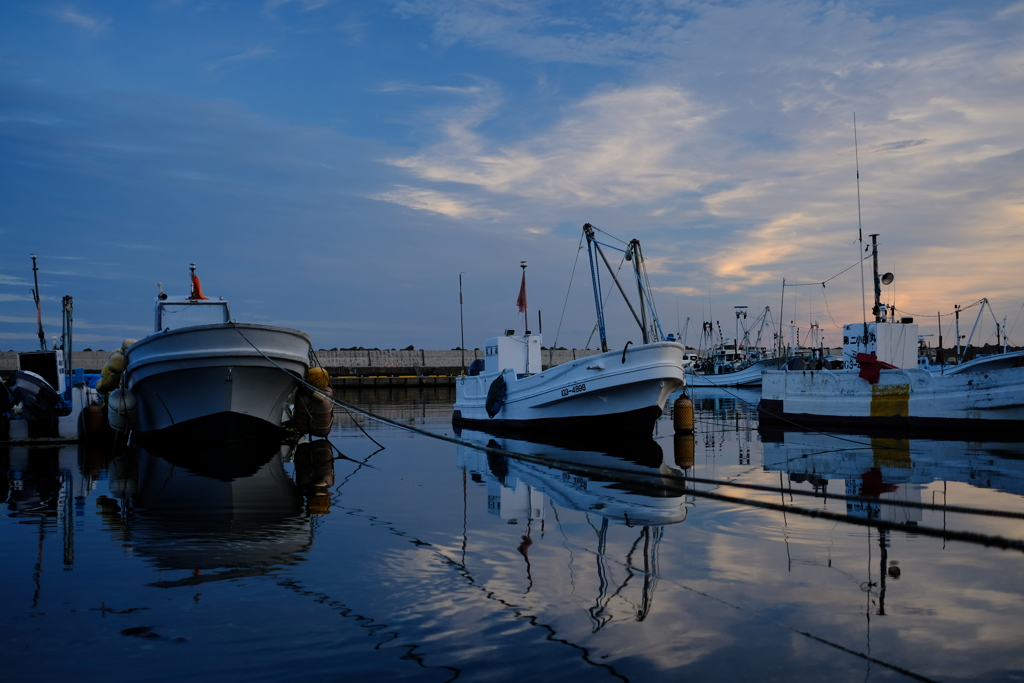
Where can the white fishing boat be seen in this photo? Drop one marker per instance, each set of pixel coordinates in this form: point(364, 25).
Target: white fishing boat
point(621, 390)
point(881, 387)
point(749, 376)
point(40, 402)
point(201, 374)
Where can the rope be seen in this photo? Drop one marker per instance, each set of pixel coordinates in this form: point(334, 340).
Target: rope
point(682, 480)
point(822, 283)
point(572, 275)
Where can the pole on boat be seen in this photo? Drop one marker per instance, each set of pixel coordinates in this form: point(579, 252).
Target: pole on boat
point(940, 354)
point(39, 310)
point(523, 307)
point(860, 234)
point(634, 249)
point(67, 308)
point(956, 309)
point(462, 326)
point(876, 310)
point(595, 278)
point(629, 304)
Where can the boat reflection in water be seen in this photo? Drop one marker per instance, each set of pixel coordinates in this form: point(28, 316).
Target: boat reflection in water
point(629, 483)
point(236, 510)
point(617, 480)
point(892, 470)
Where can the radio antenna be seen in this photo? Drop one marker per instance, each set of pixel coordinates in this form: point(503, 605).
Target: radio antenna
point(860, 235)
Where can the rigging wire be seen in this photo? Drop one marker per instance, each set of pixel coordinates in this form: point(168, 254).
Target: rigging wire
point(567, 291)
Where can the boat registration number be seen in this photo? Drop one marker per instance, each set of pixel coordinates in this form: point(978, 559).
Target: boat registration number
point(576, 388)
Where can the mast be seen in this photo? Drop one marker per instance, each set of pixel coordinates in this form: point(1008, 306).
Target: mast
point(877, 309)
point(860, 234)
point(634, 249)
point(595, 278)
point(956, 309)
point(462, 327)
point(39, 310)
point(67, 308)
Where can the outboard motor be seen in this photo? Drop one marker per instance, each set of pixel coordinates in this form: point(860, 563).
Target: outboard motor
point(41, 405)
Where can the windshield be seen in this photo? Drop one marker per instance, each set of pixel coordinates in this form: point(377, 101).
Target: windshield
point(175, 315)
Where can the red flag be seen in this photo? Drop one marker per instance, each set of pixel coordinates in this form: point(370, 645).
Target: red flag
point(197, 290)
point(521, 301)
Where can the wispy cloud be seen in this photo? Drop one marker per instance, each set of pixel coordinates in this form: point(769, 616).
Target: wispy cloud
point(247, 56)
point(69, 15)
point(621, 146)
point(307, 5)
point(432, 200)
point(901, 144)
point(1016, 8)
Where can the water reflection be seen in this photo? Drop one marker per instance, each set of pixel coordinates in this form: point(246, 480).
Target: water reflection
point(887, 470)
point(190, 508)
point(616, 480)
point(592, 558)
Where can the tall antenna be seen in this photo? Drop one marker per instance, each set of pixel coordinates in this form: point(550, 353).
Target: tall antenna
point(860, 235)
point(462, 326)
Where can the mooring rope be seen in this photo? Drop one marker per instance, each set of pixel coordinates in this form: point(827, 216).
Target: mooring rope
point(964, 536)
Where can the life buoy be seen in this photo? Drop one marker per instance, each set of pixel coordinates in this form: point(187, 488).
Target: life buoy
point(495, 396)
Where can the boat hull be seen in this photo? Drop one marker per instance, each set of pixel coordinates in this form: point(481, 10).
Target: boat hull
point(223, 382)
point(611, 392)
point(747, 377)
point(902, 400)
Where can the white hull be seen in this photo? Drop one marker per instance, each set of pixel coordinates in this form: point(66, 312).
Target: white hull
point(747, 377)
point(211, 376)
point(902, 398)
point(613, 390)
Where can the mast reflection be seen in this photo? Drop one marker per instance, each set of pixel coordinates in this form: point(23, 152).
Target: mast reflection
point(621, 483)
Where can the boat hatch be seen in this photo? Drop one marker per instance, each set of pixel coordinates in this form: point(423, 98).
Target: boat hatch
point(174, 314)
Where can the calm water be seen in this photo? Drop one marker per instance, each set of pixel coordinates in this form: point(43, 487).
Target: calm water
point(419, 559)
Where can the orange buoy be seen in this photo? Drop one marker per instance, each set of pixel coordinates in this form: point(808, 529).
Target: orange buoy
point(682, 415)
point(318, 377)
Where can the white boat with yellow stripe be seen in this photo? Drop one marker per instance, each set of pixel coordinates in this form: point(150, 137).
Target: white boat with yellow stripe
point(881, 388)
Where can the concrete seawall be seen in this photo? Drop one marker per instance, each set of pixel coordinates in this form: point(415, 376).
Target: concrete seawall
point(358, 367)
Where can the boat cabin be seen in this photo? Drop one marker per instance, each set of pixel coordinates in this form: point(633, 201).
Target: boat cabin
point(173, 313)
point(521, 353)
point(891, 342)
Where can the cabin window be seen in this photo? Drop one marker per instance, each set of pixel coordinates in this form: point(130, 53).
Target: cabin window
point(175, 316)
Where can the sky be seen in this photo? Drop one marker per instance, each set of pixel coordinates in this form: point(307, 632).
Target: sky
point(346, 167)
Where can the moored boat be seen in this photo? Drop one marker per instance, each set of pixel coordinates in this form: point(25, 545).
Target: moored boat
point(201, 374)
point(880, 387)
point(613, 391)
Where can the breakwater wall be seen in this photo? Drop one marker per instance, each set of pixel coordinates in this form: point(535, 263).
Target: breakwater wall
point(359, 366)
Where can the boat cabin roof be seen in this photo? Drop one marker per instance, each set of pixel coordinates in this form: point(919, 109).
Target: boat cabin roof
point(174, 312)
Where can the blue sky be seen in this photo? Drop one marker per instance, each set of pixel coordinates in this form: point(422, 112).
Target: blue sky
point(334, 166)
